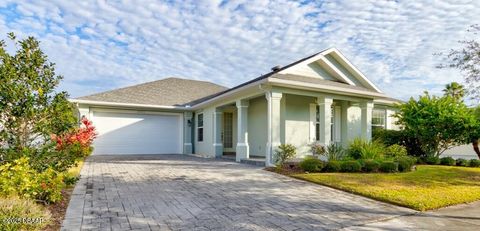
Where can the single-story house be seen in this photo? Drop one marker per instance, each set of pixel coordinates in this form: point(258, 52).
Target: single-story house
point(320, 98)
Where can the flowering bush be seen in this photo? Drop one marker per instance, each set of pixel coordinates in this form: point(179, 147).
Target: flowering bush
point(18, 178)
point(317, 148)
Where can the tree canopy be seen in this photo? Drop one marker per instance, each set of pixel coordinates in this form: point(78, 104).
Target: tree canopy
point(30, 107)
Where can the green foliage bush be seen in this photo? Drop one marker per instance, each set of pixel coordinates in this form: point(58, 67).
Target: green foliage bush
point(405, 163)
point(462, 162)
point(388, 166)
point(350, 166)
point(332, 166)
point(334, 152)
point(474, 163)
point(18, 178)
point(399, 137)
point(284, 152)
point(432, 160)
point(13, 207)
point(449, 161)
point(395, 150)
point(311, 165)
point(362, 149)
point(371, 166)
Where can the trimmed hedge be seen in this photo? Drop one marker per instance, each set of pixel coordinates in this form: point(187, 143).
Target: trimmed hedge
point(311, 165)
point(371, 166)
point(389, 166)
point(432, 160)
point(449, 161)
point(332, 166)
point(474, 163)
point(405, 163)
point(351, 166)
point(462, 162)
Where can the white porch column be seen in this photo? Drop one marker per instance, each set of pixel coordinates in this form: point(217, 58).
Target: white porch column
point(187, 132)
point(366, 119)
point(242, 130)
point(388, 119)
point(217, 133)
point(325, 106)
point(273, 126)
point(345, 123)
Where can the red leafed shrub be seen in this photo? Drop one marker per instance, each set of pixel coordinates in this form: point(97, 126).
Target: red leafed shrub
point(83, 136)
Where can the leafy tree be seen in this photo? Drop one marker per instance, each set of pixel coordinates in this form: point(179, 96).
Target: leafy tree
point(30, 107)
point(438, 123)
point(455, 90)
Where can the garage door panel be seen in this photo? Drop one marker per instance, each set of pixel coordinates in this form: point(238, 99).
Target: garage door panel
point(130, 133)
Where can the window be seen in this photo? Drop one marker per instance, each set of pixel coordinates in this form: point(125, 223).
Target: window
point(200, 127)
point(378, 119)
point(317, 123)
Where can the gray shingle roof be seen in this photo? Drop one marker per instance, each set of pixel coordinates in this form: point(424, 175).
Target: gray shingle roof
point(165, 92)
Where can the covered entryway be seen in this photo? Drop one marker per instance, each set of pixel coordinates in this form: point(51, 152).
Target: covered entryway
point(123, 132)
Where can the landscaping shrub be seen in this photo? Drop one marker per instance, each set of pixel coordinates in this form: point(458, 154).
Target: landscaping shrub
point(371, 166)
point(361, 149)
point(462, 162)
point(284, 153)
point(332, 166)
point(474, 163)
point(335, 152)
point(317, 148)
point(350, 166)
point(388, 166)
point(400, 137)
point(35, 216)
point(372, 150)
point(449, 161)
point(311, 165)
point(395, 150)
point(18, 178)
point(405, 163)
point(432, 160)
point(355, 148)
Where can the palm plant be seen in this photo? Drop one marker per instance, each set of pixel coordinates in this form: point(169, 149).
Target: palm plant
point(455, 90)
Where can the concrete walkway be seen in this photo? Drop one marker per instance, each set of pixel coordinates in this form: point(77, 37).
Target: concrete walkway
point(180, 192)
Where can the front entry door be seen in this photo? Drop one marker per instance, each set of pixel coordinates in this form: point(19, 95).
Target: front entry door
point(228, 132)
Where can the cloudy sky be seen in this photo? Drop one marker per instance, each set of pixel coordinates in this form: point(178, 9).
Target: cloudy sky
point(101, 45)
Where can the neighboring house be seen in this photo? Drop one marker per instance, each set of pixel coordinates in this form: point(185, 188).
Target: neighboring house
point(321, 98)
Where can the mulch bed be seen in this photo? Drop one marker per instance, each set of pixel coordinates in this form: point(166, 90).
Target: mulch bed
point(289, 168)
point(58, 210)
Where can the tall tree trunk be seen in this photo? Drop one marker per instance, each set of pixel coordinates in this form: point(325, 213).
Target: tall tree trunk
point(475, 147)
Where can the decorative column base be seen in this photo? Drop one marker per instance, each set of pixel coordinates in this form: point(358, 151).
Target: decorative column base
point(187, 148)
point(242, 152)
point(218, 148)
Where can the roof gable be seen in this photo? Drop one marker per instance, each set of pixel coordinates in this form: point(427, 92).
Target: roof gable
point(330, 65)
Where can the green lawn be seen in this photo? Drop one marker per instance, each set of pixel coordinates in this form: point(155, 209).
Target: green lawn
point(427, 188)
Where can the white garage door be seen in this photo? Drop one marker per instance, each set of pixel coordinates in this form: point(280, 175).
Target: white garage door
point(137, 132)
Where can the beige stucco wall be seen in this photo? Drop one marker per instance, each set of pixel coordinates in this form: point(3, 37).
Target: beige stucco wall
point(257, 126)
point(297, 122)
point(353, 123)
point(205, 148)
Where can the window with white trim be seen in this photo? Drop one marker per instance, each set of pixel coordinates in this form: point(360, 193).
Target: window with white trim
point(200, 127)
point(317, 123)
point(378, 119)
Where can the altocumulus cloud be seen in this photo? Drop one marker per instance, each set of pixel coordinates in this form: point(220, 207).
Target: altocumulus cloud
point(100, 45)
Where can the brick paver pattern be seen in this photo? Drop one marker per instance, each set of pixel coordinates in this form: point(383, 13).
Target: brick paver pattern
point(182, 192)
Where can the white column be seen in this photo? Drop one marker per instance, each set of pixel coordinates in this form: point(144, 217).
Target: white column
point(345, 123)
point(242, 130)
point(273, 126)
point(217, 133)
point(366, 119)
point(388, 119)
point(325, 106)
point(187, 132)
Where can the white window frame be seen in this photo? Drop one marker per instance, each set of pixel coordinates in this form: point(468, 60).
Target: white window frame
point(200, 127)
point(384, 119)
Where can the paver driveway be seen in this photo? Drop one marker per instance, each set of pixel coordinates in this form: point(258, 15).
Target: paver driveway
point(181, 192)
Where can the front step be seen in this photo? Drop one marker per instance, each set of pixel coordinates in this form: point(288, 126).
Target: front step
point(256, 162)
